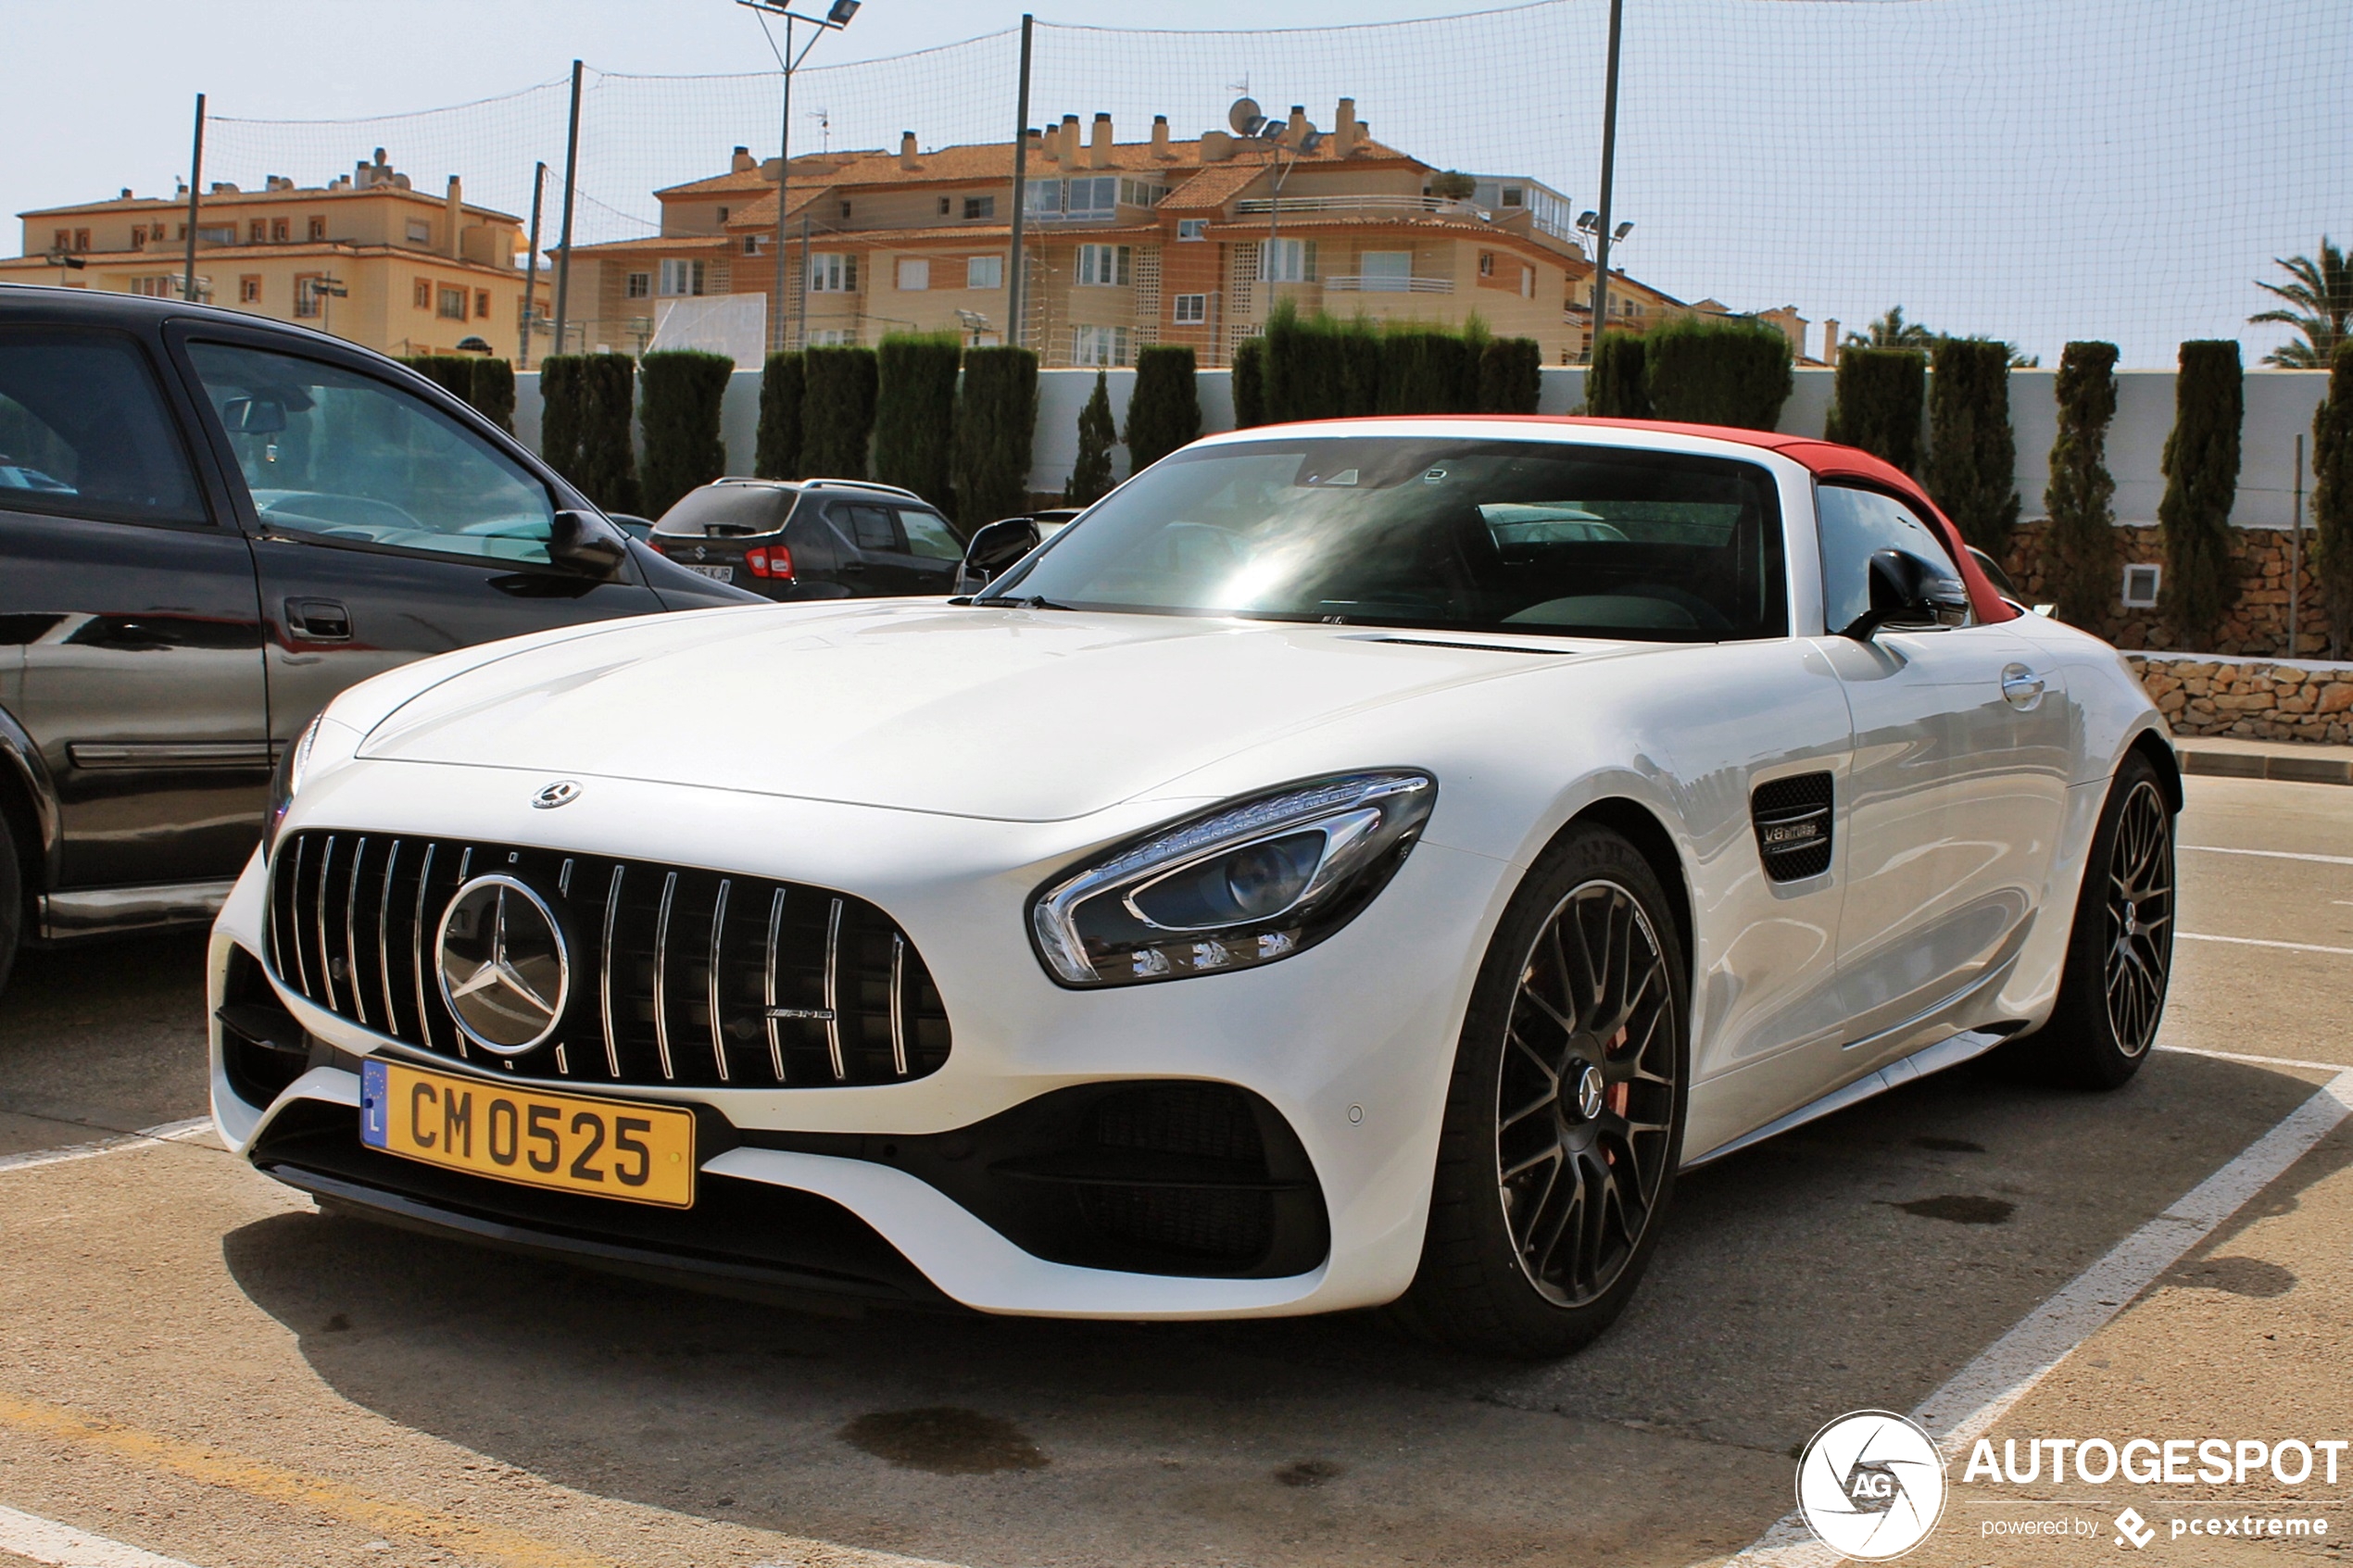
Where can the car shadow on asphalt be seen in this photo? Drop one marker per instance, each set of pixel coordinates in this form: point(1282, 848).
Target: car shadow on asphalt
point(1858, 1262)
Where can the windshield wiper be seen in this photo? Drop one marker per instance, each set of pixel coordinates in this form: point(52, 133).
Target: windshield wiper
point(1020, 601)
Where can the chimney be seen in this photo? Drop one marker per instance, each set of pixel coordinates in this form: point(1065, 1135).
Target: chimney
point(742, 162)
point(454, 217)
point(1830, 341)
point(1160, 137)
point(1040, 144)
point(907, 150)
point(126, 193)
point(1069, 129)
point(1215, 146)
point(1344, 128)
point(1098, 143)
point(1298, 126)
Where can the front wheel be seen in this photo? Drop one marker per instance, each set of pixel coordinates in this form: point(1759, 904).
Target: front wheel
point(2119, 954)
point(1565, 1115)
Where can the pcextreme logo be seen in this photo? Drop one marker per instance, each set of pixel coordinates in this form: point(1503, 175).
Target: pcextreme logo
point(1871, 1485)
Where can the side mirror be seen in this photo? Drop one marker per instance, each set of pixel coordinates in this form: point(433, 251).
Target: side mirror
point(254, 415)
point(587, 544)
point(1910, 593)
point(994, 549)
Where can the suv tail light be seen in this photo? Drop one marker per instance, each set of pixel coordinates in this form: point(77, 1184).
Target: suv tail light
point(769, 561)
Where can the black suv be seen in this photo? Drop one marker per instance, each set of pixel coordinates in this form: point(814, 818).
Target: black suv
point(812, 538)
point(211, 524)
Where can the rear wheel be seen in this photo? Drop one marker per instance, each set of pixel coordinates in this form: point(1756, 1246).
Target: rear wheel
point(1565, 1116)
point(2120, 954)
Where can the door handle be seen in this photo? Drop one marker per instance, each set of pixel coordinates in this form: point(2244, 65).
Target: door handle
point(319, 620)
point(2021, 688)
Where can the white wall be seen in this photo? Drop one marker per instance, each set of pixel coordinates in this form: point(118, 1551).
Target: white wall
point(2280, 404)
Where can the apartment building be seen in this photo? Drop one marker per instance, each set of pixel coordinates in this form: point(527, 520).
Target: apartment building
point(418, 273)
point(1125, 244)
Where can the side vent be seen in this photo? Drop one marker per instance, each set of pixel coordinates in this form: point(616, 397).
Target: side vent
point(1792, 820)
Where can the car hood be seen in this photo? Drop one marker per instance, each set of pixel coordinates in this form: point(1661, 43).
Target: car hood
point(1012, 714)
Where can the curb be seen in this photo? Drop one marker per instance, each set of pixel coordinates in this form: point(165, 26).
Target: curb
point(2259, 765)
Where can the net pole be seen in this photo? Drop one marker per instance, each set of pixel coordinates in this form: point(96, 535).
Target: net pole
point(530, 278)
point(1020, 190)
point(2295, 549)
point(784, 181)
point(571, 183)
point(1609, 168)
point(195, 183)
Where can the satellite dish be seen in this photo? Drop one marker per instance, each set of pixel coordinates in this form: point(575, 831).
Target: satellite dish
point(1245, 117)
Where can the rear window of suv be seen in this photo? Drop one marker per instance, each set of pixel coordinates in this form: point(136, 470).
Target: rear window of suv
point(728, 511)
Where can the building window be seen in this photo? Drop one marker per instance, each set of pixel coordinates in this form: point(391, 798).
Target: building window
point(834, 337)
point(1092, 199)
point(844, 212)
point(914, 272)
point(1192, 227)
point(682, 278)
point(249, 289)
point(482, 304)
point(307, 299)
point(157, 286)
point(1289, 261)
point(2141, 585)
point(1515, 196)
point(722, 215)
point(1192, 309)
point(282, 231)
point(1385, 272)
point(980, 206)
point(453, 305)
point(421, 294)
point(420, 232)
point(984, 271)
point(224, 234)
point(1527, 283)
point(639, 286)
point(755, 244)
point(833, 273)
point(257, 232)
point(943, 206)
point(81, 239)
point(317, 229)
point(1104, 264)
point(1486, 263)
point(1099, 346)
point(1141, 193)
point(64, 240)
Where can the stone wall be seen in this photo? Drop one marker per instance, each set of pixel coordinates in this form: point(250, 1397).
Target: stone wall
point(2259, 699)
point(2257, 624)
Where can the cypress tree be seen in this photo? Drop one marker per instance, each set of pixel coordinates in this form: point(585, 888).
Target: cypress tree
point(607, 464)
point(996, 421)
point(562, 413)
point(1359, 346)
point(1090, 478)
point(915, 413)
point(2333, 501)
point(1250, 382)
point(1718, 371)
point(1510, 376)
point(1614, 381)
point(2080, 557)
point(454, 373)
point(1164, 412)
point(1876, 401)
point(1973, 455)
point(2201, 484)
point(1428, 371)
point(776, 454)
point(679, 416)
point(494, 393)
point(837, 411)
point(1306, 375)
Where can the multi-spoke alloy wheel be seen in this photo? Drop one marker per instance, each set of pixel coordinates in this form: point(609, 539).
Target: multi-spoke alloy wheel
point(1585, 1097)
point(1564, 1112)
point(2140, 918)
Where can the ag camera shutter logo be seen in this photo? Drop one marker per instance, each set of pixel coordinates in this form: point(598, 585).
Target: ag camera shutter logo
point(1871, 1486)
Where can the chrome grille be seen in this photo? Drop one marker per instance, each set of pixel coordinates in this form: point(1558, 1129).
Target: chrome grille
point(679, 976)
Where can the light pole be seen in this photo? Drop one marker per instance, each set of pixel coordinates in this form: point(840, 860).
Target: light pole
point(1253, 126)
point(1609, 172)
point(837, 16)
point(1590, 224)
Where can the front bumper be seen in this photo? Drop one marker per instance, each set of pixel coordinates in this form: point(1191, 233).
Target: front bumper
point(1347, 1047)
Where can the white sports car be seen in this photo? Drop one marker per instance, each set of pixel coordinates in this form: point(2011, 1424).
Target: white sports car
point(1354, 863)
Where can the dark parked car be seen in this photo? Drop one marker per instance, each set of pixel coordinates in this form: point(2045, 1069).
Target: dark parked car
point(812, 538)
point(211, 524)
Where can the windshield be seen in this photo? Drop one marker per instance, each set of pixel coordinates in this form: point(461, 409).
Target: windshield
point(718, 512)
point(1466, 535)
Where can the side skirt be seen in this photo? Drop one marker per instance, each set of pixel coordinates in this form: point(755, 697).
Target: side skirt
point(1948, 1053)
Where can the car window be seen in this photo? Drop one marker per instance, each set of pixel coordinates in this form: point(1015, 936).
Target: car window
point(84, 431)
point(336, 455)
point(928, 535)
point(869, 527)
point(1856, 523)
point(718, 512)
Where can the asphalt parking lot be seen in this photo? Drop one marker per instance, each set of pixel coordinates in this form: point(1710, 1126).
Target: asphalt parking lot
point(195, 1362)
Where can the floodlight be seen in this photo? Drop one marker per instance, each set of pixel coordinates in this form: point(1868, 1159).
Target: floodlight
point(1587, 219)
point(842, 11)
point(1623, 229)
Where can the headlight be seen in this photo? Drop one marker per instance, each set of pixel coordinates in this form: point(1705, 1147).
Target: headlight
point(1246, 884)
point(325, 743)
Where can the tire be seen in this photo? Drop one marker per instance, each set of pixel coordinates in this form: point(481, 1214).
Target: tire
point(1564, 1119)
point(12, 902)
point(2119, 952)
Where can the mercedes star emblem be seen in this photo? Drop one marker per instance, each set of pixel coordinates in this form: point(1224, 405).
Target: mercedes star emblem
point(564, 792)
point(504, 972)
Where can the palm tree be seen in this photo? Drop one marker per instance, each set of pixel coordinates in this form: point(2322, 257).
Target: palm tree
point(1892, 330)
point(2323, 295)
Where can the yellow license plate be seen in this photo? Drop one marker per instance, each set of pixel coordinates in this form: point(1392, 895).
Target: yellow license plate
point(572, 1143)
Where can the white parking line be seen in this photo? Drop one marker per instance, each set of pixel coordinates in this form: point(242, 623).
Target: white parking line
point(45, 1540)
point(2258, 1061)
point(2272, 854)
point(170, 1132)
point(2261, 942)
point(2003, 1373)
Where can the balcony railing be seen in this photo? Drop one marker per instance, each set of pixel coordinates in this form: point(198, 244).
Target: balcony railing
point(1368, 202)
point(1366, 282)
